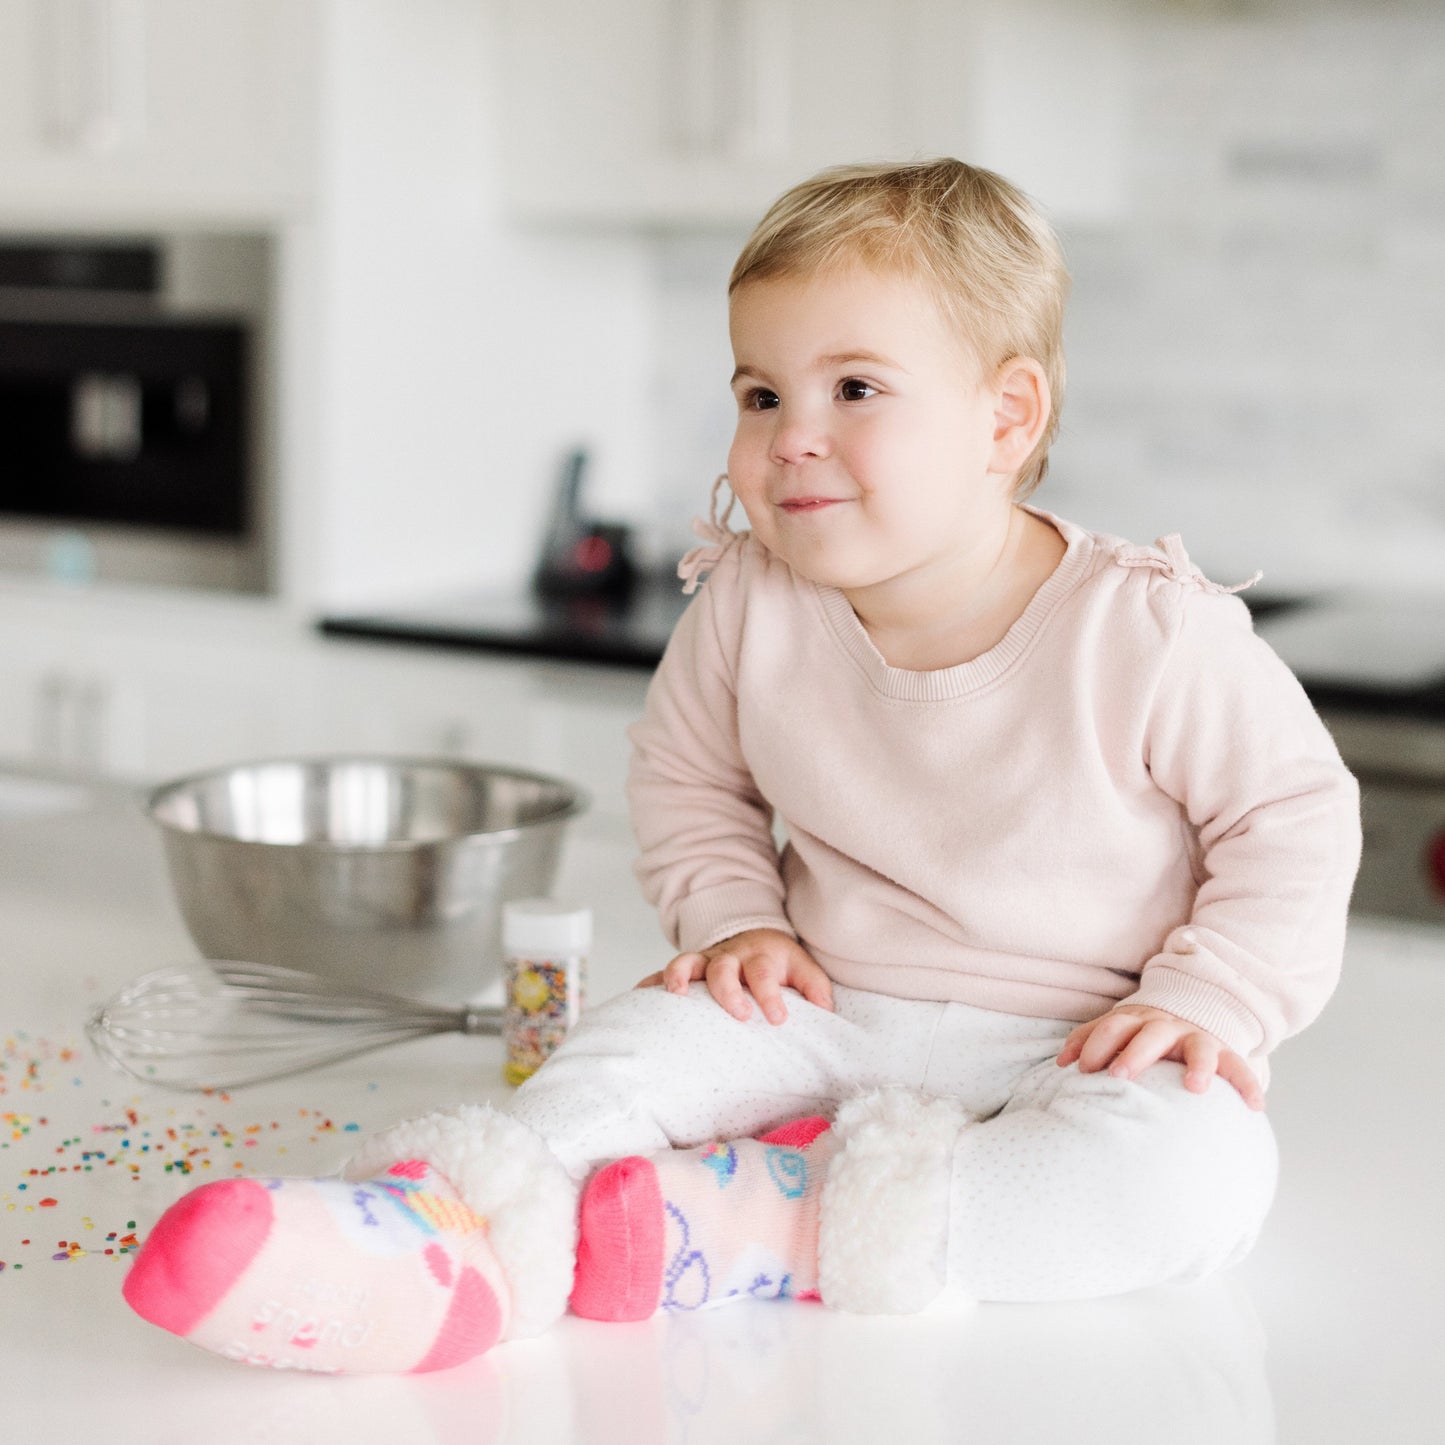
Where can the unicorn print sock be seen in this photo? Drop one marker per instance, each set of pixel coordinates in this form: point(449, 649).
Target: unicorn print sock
point(390, 1274)
point(695, 1227)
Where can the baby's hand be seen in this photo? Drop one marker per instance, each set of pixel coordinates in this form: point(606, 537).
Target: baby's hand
point(1135, 1036)
point(760, 961)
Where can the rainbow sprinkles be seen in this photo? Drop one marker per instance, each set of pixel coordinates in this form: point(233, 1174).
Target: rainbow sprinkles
point(43, 1162)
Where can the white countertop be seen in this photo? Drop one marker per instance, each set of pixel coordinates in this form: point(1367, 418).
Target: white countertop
point(1329, 1333)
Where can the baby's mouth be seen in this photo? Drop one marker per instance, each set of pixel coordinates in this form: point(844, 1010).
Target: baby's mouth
point(809, 504)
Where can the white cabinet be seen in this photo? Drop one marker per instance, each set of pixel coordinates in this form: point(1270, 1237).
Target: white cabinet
point(132, 702)
point(156, 690)
point(119, 109)
point(559, 718)
point(702, 111)
point(691, 109)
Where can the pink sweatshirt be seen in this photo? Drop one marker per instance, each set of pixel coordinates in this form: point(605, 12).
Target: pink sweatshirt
point(1129, 797)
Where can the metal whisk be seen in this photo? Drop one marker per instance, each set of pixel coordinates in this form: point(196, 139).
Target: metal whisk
point(221, 1025)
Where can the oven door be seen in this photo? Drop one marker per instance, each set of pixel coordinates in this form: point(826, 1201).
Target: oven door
point(137, 423)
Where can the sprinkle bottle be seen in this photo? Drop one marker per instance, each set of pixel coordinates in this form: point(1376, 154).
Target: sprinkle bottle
point(545, 946)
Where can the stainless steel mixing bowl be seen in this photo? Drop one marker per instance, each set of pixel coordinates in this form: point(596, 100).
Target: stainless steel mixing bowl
point(378, 872)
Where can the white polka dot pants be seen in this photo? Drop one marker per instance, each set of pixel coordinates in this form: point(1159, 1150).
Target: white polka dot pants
point(1063, 1185)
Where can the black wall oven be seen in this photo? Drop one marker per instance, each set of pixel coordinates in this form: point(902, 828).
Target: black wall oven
point(126, 418)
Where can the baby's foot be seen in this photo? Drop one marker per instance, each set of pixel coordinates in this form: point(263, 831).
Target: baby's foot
point(694, 1227)
point(392, 1274)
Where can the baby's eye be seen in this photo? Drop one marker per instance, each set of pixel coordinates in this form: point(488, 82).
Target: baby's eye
point(759, 398)
point(856, 389)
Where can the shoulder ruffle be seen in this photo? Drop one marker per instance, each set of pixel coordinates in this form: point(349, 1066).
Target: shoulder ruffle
point(716, 533)
point(1168, 556)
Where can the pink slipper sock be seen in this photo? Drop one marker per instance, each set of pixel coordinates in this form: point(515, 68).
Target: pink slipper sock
point(695, 1227)
point(393, 1274)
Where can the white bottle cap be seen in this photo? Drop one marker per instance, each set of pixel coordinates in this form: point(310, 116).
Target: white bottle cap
point(545, 928)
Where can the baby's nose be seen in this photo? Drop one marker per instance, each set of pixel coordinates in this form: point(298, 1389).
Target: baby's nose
point(798, 437)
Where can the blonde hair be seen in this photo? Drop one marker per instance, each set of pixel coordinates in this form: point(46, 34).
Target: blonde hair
point(992, 260)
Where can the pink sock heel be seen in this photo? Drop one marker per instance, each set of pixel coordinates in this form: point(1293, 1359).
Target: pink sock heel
point(797, 1133)
point(473, 1325)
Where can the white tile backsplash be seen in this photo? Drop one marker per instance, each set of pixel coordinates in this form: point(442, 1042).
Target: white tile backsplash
point(1257, 349)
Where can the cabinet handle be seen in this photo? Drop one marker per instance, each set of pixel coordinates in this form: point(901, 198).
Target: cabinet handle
point(73, 724)
point(691, 75)
point(92, 725)
point(51, 697)
point(92, 55)
point(766, 77)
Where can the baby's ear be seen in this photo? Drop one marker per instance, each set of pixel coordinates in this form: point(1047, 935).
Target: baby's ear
point(1022, 403)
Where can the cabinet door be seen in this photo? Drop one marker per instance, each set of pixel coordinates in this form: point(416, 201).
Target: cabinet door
point(205, 707)
point(61, 704)
point(188, 707)
point(692, 110)
point(131, 702)
point(566, 719)
point(115, 108)
point(30, 702)
point(1038, 90)
point(399, 700)
point(702, 111)
point(579, 722)
point(581, 91)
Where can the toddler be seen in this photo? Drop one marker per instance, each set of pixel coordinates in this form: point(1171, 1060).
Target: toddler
point(999, 854)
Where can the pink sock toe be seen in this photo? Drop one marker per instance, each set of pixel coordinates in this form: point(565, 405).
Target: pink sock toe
point(199, 1248)
point(620, 1244)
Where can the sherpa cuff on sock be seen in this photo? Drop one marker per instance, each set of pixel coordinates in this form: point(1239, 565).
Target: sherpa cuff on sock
point(883, 1222)
point(504, 1172)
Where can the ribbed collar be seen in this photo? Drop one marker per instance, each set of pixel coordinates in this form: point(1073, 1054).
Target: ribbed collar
point(966, 677)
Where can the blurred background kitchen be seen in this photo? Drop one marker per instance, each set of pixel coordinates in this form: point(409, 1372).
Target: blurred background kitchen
point(324, 310)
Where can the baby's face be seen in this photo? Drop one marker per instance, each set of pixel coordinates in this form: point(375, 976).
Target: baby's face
point(865, 440)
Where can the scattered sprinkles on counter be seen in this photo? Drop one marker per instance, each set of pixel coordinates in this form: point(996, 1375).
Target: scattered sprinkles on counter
point(133, 1140)
point(22, 1058)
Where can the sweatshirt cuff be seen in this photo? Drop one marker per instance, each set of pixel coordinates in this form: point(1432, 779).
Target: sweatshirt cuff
point(713, 914)
point(1201, 1003)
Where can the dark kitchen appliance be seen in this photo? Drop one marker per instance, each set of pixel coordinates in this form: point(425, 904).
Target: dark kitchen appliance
point(139, 422)
point(1374, 666)
point(1400, 764)
point(130, 378)
point(581, 556)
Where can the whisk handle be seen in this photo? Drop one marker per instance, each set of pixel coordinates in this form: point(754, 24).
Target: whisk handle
point(485, 1020)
